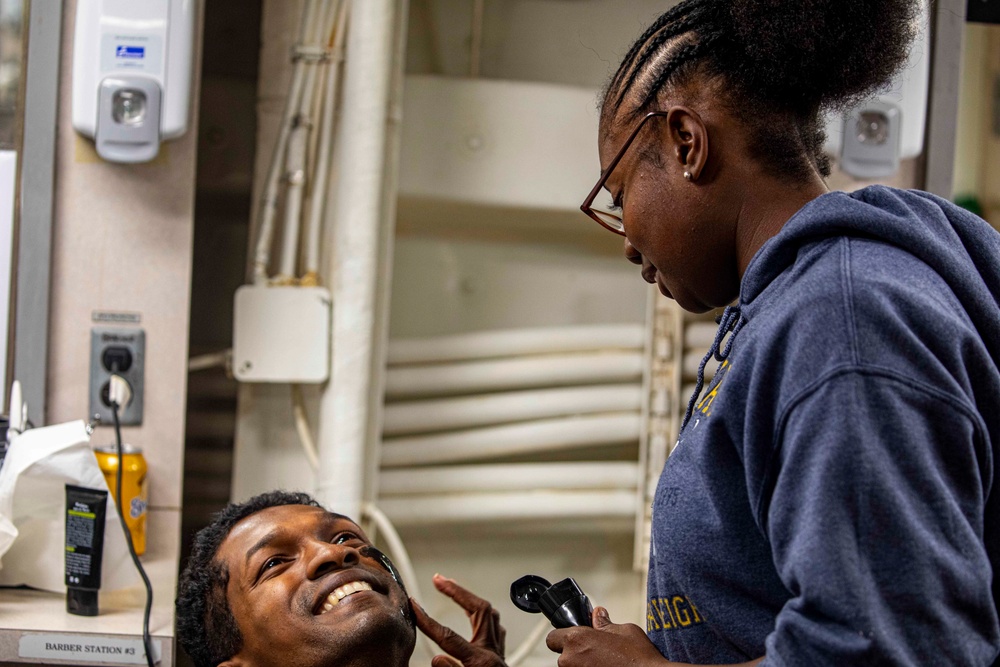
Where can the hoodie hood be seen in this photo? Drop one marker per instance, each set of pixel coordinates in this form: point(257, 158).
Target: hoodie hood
point(961, 247)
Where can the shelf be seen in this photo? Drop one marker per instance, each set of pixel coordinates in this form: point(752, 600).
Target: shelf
point(30, 613)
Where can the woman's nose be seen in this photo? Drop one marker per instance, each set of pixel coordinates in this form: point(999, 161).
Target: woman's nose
point(328, 557)
point(631, 254)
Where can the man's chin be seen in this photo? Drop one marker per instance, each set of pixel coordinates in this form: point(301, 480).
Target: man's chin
point(380, 631)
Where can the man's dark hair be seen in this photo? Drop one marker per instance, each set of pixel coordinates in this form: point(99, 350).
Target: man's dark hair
point(205, 624)
point(783, 62)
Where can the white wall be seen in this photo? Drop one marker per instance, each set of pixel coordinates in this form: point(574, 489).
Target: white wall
point(576, 42)
point(452, 286)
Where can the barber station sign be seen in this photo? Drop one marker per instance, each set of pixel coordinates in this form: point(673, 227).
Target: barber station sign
point(86, 648)
point(984, 11)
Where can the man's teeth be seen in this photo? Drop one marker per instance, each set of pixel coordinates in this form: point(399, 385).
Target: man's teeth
point(335, 597)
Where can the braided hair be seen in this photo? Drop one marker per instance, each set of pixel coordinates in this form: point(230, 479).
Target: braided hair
point(782, 63)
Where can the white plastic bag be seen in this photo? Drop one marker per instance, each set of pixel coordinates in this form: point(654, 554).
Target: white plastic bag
point(38, 465)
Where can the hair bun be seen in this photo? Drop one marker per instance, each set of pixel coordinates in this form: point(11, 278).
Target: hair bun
point(808, 54)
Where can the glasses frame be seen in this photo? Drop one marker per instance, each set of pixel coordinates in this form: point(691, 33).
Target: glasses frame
point(587, 205)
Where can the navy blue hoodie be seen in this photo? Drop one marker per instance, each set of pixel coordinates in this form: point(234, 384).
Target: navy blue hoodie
point(831, 499)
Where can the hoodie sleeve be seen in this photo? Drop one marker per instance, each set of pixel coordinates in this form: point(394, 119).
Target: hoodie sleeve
point(874, 509)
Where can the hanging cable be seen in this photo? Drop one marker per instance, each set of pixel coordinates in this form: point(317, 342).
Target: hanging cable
point(401, 558)
point(302, 427)
point(120, 394)
point(542, 628)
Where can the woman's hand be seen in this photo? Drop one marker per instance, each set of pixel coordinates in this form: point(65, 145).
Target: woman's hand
point(604, 644)
point(485, 649)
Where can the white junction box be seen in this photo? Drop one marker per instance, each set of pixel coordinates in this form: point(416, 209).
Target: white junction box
point(281, 334)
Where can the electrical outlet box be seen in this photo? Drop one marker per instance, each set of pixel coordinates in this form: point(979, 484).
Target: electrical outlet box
point(281, 334)
point(121, 352)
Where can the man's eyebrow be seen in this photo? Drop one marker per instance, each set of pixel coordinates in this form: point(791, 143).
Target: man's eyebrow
point(261, 543)
point(330, 518)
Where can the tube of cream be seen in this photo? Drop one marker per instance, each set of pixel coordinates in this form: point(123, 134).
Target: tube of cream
point(85, 512)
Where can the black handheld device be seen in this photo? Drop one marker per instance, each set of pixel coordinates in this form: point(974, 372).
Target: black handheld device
point(563, 603)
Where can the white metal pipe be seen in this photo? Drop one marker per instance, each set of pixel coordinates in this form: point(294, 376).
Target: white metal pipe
point(297, 173)
point(323, 43)
point(204, 362)
point(516, 373)
point(269, 206)
point(295, 177)
point(470, 411)
point(602, 475)
point(515, 342)
point(513, 439)
point(355, 265)
point(321, 183)
point(480, 507)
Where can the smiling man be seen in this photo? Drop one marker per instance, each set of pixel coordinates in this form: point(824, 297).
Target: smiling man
point(280, 581)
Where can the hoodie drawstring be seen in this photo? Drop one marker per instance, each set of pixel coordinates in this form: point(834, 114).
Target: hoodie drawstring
point(732, 320)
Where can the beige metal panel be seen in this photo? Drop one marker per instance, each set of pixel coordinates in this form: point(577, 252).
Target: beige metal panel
point(122, 242)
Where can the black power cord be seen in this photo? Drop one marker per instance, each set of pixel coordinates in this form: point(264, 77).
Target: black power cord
point(147, 641)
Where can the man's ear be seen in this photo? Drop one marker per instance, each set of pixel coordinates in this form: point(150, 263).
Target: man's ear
point(688, 138)
point(235, 661)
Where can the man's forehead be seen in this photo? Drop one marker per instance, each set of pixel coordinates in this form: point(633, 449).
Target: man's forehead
point(281, 520)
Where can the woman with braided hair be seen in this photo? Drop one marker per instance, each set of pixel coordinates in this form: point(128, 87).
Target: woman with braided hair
point(832, 498)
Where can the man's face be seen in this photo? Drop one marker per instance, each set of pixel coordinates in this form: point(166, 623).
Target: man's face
point(305, 592)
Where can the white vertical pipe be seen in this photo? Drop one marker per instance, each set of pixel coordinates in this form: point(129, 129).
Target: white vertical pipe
point(394, 142)
point(354, 266)
point(269, 206)
point(318, 199)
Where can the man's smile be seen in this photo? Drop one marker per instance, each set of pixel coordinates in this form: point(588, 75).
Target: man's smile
point(345, 584)
point(334, 598)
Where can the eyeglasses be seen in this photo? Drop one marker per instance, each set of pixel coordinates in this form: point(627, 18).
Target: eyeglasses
point(603, 209)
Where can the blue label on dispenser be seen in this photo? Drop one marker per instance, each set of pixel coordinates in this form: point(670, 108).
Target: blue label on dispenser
point(130, 52)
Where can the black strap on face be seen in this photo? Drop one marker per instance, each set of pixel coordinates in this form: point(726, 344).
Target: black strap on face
point(384, 561)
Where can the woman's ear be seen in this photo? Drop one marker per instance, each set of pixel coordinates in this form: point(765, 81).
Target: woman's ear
point(689, 138)
point(235, 661)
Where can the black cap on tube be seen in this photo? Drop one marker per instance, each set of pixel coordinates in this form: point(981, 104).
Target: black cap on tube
point(81, 601)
